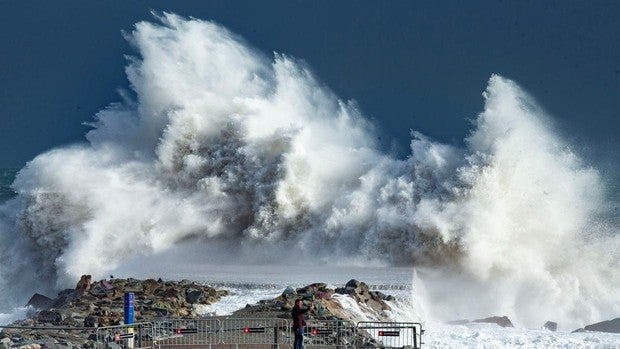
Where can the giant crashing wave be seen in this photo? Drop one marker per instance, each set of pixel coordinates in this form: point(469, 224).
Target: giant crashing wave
point(229, 150)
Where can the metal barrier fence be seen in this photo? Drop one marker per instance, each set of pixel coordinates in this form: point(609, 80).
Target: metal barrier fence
point(253, 333)
point(329, 334)
point(389, 334)
point(139, 335)
point(187, 332)
point(244, 332)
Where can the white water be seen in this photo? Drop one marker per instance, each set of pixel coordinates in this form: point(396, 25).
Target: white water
point(249, 159)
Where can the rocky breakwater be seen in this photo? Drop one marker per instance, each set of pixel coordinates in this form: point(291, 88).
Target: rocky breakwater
point(330, 304)
point(101, 303)
point(342, 306)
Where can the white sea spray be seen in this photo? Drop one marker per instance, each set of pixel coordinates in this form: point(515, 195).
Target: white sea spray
point(255, 161)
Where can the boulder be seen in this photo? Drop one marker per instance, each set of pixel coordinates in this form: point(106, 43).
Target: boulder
point(611, 326)
point(161, 311)
point(503, 321)
point(39, 301)
point(376, 295)
point(192, 295)
point(344, 290)
point(91, 321)
point(289, 291)
point(150, 285)
point(358, 287)
point(312, 288)
point(551, 326)
point(84, 283)
point(65, 297)
point(352, 283)
point(50, 316)
point(6, 342)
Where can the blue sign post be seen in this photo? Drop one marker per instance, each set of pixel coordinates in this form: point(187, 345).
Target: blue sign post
point(129, 302)
point(128, 310)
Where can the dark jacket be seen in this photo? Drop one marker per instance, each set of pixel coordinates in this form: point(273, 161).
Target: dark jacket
point(298, 316)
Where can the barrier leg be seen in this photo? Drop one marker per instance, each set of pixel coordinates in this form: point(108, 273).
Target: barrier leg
point(276, 344)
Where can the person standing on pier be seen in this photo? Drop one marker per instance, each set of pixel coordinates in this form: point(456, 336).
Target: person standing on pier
point(299, 322)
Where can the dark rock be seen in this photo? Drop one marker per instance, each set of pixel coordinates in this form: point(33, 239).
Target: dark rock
point(65, 297)
point(352, 283)
point(150, 285)
point(376, 295)
point(503, 321)
point(611, 326)
point(551, 326)
point(344, 290)
point(50, 316)
point(192, 295)
point(91, 321)
point(170, 293)
point(289, 291)
point(39, 301)
point(360, 290)
point(161, 311)
point(312, 288)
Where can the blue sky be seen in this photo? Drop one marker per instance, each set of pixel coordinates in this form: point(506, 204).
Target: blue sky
point(409, 65)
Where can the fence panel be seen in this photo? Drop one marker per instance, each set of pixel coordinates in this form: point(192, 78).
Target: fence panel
point(139, 335)
point(338, 334)
point(259, 333)
point(273, 332)
point(187, 332)
point(389, 334)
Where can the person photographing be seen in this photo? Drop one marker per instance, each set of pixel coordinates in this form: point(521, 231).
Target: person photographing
point(299, 322)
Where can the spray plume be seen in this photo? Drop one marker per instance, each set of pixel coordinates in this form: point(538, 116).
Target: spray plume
point(229, 150)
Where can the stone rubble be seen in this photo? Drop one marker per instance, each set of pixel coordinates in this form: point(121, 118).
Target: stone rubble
point(101, 303)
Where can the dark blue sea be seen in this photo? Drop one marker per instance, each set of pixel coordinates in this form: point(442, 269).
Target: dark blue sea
point(7, 175)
